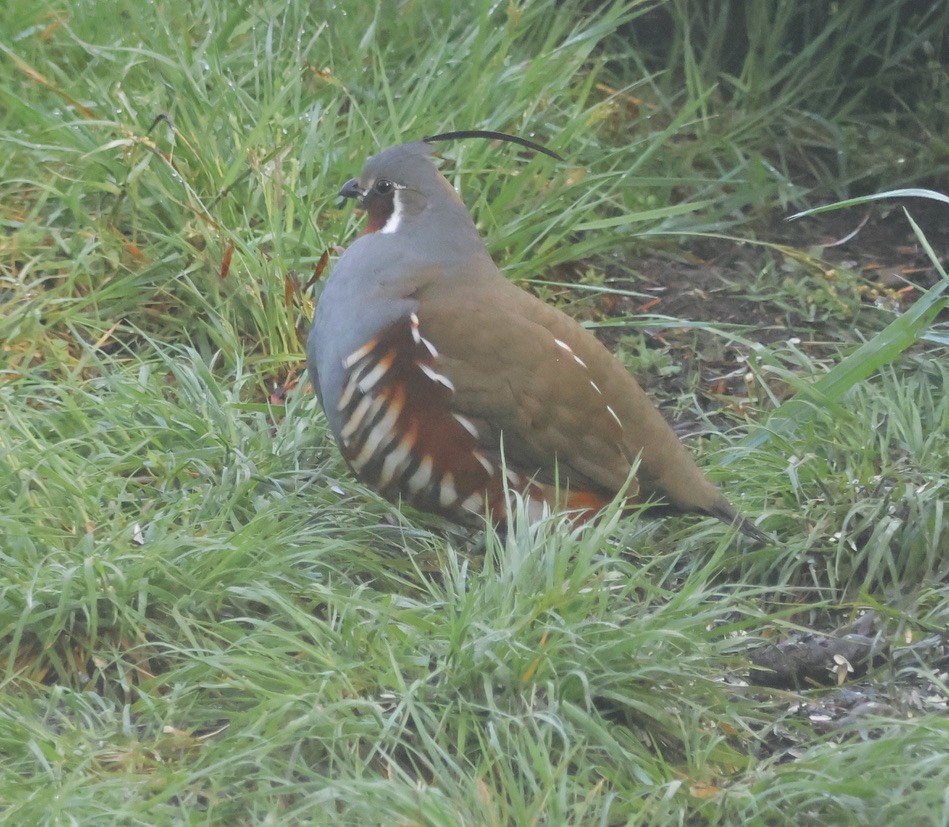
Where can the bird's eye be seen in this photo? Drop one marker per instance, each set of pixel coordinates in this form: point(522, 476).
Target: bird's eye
point(383, 186)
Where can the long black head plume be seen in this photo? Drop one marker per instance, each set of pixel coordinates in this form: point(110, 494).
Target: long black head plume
point(491, 136)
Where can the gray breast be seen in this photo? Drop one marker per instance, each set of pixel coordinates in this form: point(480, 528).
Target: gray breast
point(366, 292)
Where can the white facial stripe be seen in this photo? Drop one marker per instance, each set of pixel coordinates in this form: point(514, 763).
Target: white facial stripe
point(396, 218)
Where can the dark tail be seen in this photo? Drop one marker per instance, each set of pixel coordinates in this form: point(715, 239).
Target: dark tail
point(727, 514)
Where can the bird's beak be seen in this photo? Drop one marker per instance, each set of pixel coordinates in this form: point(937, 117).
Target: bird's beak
point(351, 189)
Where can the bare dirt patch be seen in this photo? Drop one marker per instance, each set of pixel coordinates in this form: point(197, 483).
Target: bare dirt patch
point(816, 281)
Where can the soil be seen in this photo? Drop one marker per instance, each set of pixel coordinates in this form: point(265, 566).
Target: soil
point(847, 266)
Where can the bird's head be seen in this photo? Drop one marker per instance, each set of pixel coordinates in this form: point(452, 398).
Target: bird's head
point(402, 182)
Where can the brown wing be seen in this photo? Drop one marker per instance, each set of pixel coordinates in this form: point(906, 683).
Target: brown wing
point(514, 375)
point(402, 434)
point(561, 400)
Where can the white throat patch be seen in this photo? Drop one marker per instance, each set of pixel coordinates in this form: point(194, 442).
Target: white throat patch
point(396, 218)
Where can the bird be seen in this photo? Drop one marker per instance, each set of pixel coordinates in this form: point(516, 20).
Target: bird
point(448, 387)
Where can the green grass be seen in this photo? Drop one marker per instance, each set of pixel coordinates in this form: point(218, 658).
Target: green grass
point(206, 620)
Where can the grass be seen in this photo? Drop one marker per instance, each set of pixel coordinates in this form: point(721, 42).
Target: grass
point(205, 620)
